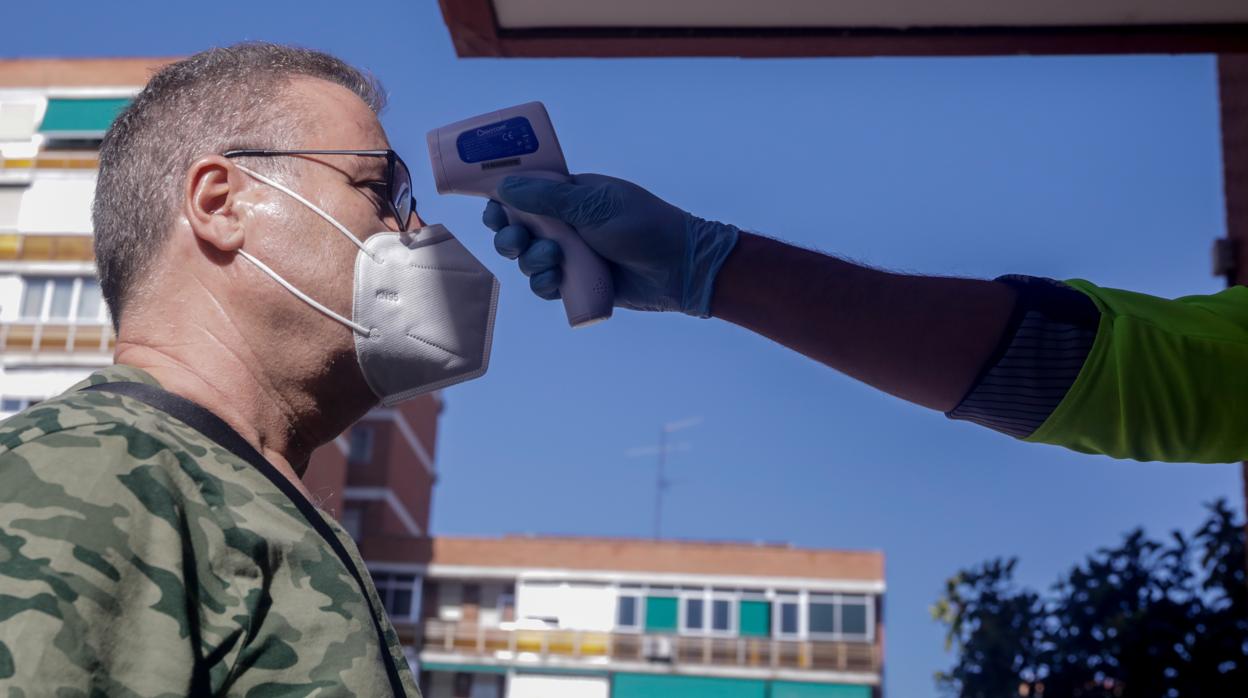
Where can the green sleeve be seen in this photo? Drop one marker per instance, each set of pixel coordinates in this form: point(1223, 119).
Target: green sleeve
point(1166, 380)
point(95, 558)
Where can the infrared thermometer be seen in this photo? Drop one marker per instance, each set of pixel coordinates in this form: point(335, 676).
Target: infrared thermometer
point(474, 155)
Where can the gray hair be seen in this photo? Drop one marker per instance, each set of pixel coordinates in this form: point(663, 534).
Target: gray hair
point(211, 102)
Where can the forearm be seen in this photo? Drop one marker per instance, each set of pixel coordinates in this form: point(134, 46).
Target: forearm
point(1091, 369)
point(923, 339)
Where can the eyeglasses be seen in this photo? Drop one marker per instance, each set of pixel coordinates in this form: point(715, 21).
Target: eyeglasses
point(398, 177)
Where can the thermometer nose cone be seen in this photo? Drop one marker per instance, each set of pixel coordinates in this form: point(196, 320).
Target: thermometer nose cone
point(434, 141)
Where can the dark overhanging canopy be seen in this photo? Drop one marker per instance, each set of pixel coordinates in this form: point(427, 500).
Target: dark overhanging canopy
point(809, 28)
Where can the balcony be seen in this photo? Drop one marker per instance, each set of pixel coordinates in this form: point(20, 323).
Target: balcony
point(39, 247)
point(50, 340)
point(563, 646)
point(67, 160)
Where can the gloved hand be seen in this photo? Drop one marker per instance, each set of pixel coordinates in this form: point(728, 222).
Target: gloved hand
point(661, 258)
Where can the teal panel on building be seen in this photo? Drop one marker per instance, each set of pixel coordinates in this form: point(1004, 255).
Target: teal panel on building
point(795, 689)
point(755, 617)
point(81, 115)
point(660, 614)
point(658, 686)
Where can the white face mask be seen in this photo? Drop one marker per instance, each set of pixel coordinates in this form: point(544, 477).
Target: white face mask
point(423, 307)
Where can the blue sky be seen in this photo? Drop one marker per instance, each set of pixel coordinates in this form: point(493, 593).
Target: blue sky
point(1101, 168)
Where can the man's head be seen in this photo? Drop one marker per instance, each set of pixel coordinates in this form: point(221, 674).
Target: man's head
point(236, 215)
point(161, 174)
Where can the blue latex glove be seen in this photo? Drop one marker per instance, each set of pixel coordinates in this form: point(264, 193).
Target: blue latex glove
point(661, 257)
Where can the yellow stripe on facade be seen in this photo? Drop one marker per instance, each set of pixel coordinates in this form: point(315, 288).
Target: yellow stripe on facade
point(50, 164)
point(46, 248)
point(10, 245)
point(67, 164)
point(56, 338)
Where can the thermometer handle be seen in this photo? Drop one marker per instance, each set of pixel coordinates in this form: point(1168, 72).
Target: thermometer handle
point(474, 155)
point(587, 290)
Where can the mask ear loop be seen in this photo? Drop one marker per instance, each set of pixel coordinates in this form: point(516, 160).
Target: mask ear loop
point(355, 326)
point(315, 209)
point(305, 297)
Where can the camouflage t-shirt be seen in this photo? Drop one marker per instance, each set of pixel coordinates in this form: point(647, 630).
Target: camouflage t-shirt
point(138, 557)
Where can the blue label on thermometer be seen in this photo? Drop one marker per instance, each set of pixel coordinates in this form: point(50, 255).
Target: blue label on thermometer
point(505, 139)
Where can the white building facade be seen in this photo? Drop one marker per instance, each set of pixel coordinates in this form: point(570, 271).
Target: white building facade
point(54, 327)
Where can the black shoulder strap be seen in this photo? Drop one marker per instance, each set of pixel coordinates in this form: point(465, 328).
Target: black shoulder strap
point(215, 428)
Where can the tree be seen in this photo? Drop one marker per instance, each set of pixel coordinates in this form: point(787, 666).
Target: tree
point(997, 630)
point(1143, 619)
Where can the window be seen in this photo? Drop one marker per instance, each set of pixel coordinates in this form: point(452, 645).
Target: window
point(721, 615)
point(487, 685)
point(15, 404)
point(692, 620)
point(353, 520)
point(463, 685)
point(707, 612)
point(840, 617)
point(360, 449)
point(32, 297)
point(626, 616)
point(89, 301)
point(396, 591)
point(854, 617)
point(506, 606)
point(788, 617)
point(822, 618)
point(446, 599)
point(62, 299)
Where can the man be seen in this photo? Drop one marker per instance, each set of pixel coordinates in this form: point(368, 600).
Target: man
point(1093, 369)
point(270, 283)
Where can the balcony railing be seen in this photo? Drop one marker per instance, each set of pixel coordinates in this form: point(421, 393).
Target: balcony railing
point(727, 652)
point(66, 161)
point(45, 247)
point(52, 338)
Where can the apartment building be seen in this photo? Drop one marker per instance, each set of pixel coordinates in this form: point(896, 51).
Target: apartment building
point(549, 617)
point(514, 617)
point(54, 327)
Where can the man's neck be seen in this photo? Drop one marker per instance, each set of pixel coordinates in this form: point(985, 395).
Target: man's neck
point(282, 417)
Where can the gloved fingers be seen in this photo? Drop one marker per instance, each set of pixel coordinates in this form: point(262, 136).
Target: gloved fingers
point(511, 241)
point(574, 204)
point(593, 179)
point(541, 256)
point(494, 217)
point(541, 196)
point(546, 284)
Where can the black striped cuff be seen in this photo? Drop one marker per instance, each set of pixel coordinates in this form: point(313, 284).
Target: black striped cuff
point(1040, 354)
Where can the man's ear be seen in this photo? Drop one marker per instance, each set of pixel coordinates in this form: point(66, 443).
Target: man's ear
point(213, 184)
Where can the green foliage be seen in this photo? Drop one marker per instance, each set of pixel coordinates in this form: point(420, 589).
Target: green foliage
point(1141, 620)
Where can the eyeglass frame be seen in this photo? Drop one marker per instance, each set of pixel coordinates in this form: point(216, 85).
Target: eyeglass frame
point(392, 162)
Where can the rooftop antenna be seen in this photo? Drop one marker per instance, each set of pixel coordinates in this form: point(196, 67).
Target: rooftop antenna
point(661, 483)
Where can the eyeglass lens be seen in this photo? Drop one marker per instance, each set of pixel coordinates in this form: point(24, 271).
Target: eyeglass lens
point(402, 194)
